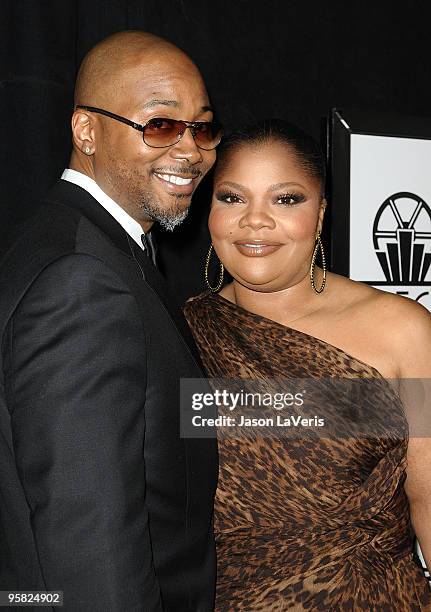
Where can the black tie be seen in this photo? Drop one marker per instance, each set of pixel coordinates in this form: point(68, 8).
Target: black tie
point(148, 244)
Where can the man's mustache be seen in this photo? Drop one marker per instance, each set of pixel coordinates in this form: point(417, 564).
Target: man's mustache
point(179, 171)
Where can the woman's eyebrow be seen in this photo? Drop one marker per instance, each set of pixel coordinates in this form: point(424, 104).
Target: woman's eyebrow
point(285, 184)
point(234, 185)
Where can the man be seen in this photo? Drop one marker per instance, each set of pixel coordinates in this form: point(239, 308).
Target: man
point(100, 497)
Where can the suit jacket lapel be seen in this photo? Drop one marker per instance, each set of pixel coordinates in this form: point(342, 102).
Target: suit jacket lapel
point(156, 281)
point(69, 194)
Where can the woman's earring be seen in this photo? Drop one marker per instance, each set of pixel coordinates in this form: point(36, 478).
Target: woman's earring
point(313, 265)
point(221, 275)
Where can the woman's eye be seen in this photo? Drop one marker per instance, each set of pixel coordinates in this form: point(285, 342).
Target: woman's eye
point(229, 198)
point(290, 199)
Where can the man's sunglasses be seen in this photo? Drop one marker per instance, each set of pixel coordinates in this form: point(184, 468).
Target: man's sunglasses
point(161, 132)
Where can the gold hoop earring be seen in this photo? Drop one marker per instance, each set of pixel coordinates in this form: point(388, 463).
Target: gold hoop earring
point(313, 265)
point(221, 275)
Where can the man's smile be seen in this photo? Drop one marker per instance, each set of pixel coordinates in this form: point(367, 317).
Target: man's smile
point(174, 178)
point(183, 184)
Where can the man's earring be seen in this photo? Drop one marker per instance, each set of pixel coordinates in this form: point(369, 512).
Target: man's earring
point(221, 274)
point(87, 150)
point(313, 265)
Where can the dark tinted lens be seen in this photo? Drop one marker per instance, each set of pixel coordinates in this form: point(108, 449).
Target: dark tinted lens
point(162, 132)
point(207, 135)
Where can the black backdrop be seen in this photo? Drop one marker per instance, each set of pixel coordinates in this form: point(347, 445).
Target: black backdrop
point(288, 58)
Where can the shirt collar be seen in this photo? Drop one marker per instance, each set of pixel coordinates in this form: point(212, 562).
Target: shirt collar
point(129, 224)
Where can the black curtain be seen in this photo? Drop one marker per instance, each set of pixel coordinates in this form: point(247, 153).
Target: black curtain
point(293, 59)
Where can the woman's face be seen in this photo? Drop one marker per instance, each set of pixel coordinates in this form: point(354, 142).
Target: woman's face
point(265, 213)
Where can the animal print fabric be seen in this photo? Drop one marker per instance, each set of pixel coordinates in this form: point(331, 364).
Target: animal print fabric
point(304, 524)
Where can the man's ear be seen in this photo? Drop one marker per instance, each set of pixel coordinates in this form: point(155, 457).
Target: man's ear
point(83, 132)
point(322, 209)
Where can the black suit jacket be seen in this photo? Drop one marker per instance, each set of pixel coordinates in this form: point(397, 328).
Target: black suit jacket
point(99, 495)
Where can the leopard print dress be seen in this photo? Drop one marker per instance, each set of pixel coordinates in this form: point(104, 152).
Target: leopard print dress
point(306, 523)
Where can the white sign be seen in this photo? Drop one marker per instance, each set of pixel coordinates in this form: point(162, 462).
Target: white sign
point(390, 214)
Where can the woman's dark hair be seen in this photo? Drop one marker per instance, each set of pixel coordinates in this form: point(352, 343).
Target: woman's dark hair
point(308, 151)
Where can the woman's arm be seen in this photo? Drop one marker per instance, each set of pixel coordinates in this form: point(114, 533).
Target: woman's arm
point(418, 489)
point(414, 358)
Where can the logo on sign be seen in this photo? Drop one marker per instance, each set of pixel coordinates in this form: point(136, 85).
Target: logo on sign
point(402, 239)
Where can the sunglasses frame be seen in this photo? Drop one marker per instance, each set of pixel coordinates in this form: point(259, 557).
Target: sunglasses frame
point(141, 127)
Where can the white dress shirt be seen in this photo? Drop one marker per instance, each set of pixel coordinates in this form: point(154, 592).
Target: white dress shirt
point(129, 224)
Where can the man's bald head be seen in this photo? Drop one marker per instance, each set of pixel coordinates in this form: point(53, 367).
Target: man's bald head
point(140, 78)
point(109, 66)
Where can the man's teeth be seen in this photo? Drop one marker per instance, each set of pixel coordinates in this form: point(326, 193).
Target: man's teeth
point(176, 180)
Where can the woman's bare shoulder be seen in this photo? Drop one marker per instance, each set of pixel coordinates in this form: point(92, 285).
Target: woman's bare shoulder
point(398, 324)
point(389, 307)
point(407, 328)
point(400, 314)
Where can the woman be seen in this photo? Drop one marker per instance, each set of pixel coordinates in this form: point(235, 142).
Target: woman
point(309, 523)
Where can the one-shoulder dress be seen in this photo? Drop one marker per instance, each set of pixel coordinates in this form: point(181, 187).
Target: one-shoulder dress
point(305, 523)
